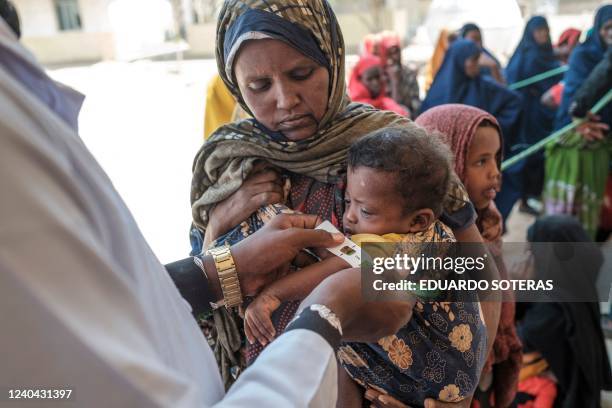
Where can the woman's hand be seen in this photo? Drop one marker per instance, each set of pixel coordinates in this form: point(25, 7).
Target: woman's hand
point(361, 320)
point(260, 256)
point(262, 187)
point(486, 61)
point(380, 400)
point(592, 129)
point(548, 99)
point(432, 403)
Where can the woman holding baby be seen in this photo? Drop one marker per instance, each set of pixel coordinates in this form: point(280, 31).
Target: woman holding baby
point(284, 63)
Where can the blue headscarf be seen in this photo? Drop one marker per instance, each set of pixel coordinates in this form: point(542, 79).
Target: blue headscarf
point(255, 23)
point(473, 27)
point(529, 59)
point(452, 85)
point(582, 61)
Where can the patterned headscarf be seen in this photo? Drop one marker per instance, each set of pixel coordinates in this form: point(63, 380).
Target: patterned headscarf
point(227, 158)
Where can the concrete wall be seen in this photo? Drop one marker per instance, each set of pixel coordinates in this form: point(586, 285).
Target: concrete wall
point(354, 27)
point(37, 17)
point(94, 16)
point(201, 39)
point(42, 36)
point(71, 47)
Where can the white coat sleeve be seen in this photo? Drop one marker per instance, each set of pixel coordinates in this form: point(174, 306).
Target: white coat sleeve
point(298, 369)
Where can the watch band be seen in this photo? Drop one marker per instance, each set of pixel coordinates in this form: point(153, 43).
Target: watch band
point(319, 319)
point(228, 277)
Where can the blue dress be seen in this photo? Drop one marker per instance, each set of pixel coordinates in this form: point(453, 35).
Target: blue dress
point(529, 59)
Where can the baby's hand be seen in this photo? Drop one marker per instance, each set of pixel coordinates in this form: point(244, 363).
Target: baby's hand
point(257, 317)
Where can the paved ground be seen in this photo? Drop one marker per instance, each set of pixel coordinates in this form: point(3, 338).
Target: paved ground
point(143, 121)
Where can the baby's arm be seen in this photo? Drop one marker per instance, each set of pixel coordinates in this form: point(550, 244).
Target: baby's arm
point(298, 285)
point(295, 286)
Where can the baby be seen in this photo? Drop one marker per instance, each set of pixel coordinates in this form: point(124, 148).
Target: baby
point(396, 185)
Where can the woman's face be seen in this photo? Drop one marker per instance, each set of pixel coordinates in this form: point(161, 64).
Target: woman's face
point(372, 79)
point(286, 91)
point(475, 36)
point(471, 66)
point(605, 32)
point(541, 35)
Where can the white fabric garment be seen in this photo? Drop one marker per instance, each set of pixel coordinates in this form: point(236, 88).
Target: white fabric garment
point(22, 66)
point(86, 305)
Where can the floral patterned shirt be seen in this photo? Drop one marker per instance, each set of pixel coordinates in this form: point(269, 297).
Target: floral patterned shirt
point(438, 354)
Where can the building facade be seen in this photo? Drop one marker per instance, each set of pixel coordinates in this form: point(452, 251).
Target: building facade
point(75, 31)
point(62, 31)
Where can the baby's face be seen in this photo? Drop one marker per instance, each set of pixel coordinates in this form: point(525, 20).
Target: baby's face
point(372, 204)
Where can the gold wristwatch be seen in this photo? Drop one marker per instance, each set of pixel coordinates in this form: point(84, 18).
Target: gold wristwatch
point(228, 277)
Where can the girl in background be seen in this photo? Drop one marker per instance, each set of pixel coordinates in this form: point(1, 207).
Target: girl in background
point(475, 139)
point(367, 85)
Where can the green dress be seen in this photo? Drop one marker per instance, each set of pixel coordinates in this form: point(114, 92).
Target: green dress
point(576, 173)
